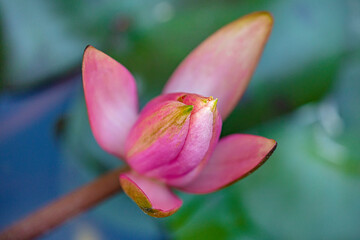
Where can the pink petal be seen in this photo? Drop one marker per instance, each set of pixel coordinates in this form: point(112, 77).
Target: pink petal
point(235, 157)
point(224, 63)
point(153, 197)
point(158, 135)
point(111, 99)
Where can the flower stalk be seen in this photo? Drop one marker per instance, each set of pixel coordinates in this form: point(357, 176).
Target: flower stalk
point(65, 208)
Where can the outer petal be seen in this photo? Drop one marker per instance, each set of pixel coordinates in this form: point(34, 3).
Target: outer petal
point(235, 157)
point(111, 99)
point(224, 63)
point(154, 198)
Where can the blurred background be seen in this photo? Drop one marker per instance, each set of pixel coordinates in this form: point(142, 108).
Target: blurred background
point(305, 94)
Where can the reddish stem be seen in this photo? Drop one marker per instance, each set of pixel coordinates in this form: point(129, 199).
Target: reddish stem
point(68, 206)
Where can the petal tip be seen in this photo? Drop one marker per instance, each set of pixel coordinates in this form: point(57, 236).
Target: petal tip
point(92, 52)
point(188, 109)
point(265, 158)
point(88, 46)
point(262, 19)
point(87, 49)
point(213, 105)
point(87, 55)
point(272, 149)
point(263, 15)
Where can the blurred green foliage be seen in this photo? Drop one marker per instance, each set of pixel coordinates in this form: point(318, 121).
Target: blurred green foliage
point(305, 94)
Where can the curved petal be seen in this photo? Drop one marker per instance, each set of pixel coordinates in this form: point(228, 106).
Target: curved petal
point(235, 157)
point(224, 63)
point(154, 198)
point(111, 99)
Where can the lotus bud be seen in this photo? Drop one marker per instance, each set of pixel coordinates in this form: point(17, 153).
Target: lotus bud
point(172, 137)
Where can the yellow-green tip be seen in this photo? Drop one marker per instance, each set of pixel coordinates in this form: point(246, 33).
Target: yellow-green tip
point(188, 109)
point(213, 104)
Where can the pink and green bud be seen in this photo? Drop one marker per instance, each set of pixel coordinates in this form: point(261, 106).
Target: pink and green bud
point(172, 137)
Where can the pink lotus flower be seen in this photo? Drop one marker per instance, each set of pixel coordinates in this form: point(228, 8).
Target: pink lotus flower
point(173, 141)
